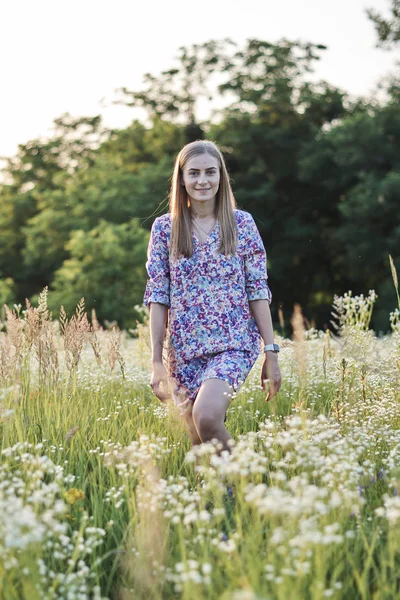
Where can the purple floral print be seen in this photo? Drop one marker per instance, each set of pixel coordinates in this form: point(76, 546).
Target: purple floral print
point(208, 294)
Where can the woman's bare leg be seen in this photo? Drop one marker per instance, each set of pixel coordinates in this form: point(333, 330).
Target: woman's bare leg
point(209, 411)
point(185, 408)
point(191, 428)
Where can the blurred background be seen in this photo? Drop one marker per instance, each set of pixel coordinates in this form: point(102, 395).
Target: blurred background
point(98, 98)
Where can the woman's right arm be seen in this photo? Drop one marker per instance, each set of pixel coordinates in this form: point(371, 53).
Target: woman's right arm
point(157, 298)
point(158, 321)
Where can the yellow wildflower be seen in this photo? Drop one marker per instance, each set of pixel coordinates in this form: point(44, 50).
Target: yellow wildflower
point(73, 495)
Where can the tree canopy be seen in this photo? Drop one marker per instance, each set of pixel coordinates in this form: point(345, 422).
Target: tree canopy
point(318, 170)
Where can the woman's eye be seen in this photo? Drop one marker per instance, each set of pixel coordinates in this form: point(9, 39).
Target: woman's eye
point(197, 174)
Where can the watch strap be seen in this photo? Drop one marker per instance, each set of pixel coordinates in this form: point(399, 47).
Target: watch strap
point(271, 348)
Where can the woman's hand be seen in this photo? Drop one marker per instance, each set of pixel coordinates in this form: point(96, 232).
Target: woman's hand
point(159, 381)
point(270, 370)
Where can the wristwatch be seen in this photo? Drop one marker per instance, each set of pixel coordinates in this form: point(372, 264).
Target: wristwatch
point(271, 348)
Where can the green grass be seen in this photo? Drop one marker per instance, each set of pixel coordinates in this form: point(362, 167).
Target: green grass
point(305, 507)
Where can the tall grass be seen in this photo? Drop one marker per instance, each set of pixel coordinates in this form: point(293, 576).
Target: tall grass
point(101, 495)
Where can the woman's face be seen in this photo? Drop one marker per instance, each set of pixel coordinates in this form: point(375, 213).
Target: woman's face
point(201, 176)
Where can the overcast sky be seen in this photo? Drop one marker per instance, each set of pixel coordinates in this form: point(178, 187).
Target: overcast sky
point(66, 56)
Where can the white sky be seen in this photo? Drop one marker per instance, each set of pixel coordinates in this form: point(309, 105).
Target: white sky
point(66, 56)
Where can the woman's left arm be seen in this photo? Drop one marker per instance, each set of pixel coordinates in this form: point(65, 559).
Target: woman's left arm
point(270, 368)
point(259, 296)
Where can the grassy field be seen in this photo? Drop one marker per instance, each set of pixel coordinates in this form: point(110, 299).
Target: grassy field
point(102, 497)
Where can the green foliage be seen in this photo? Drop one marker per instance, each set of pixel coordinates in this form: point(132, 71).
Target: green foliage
point(47, 233)
point(106, 267)
point(388, 30)
point(102, 496)
point(356, 165)
point(318, 172)
point(34, 216)
point(7, 291)
point(174, 94)
point(15, 209)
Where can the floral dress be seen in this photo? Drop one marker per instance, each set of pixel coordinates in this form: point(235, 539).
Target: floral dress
point(211, 331)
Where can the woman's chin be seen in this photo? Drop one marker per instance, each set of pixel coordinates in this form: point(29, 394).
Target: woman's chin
point(203, 198)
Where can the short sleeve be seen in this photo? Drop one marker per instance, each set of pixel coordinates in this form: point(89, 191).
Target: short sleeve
point(255, 261)
point(157, 265)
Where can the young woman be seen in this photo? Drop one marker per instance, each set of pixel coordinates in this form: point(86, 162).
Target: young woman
point(208, 291)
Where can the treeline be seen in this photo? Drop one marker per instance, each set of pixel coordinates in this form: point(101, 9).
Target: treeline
point(318, 170)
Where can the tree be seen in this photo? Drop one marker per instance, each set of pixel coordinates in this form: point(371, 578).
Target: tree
point(304, 160)
point(71, 184)
point(15, 209)
point(7, 291)
point(107, 267)
point(175, 93)
point(34, 220)
point(388, 30)
point(273, 112)
point(358, 162)
point(275, 116)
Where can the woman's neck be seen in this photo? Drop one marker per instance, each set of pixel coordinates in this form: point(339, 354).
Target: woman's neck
point(202, 210)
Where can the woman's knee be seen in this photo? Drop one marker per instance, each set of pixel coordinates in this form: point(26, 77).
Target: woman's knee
point(207, 424)
point(210, 408)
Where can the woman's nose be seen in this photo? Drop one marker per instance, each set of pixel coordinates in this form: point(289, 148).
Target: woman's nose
point(202, 178)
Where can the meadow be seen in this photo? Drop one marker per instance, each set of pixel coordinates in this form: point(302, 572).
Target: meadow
point(101, 495)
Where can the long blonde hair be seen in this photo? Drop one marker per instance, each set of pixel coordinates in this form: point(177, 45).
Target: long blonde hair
point(181, 236)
